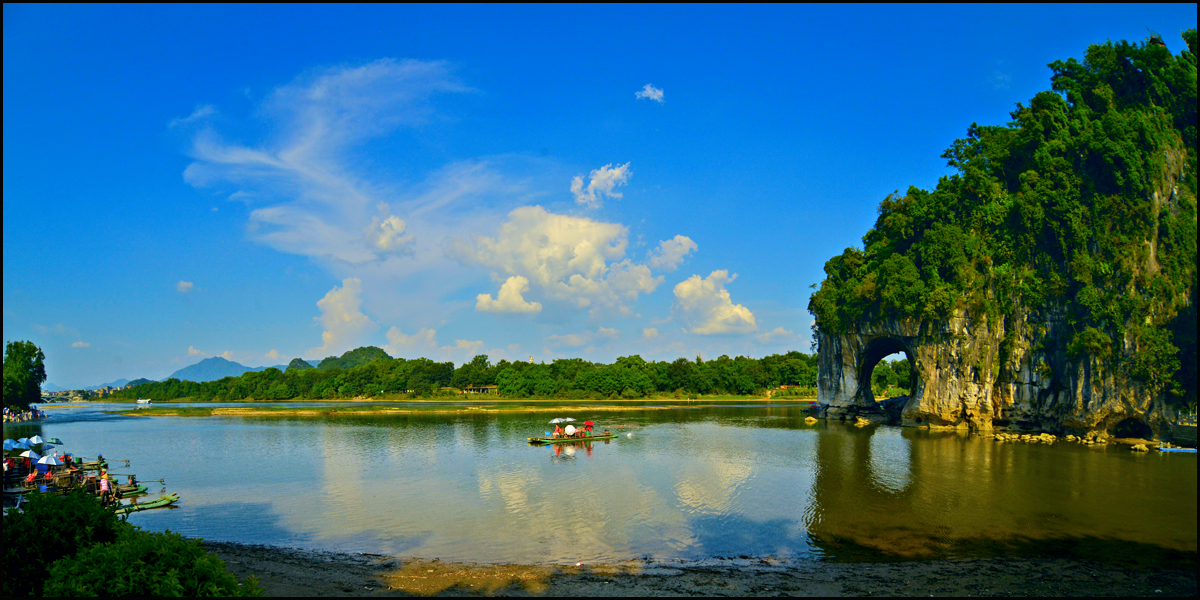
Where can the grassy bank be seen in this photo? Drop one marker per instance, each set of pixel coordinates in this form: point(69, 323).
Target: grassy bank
point(376, 406)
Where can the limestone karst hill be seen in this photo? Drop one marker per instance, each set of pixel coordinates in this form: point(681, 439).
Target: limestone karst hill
point(1049, 283)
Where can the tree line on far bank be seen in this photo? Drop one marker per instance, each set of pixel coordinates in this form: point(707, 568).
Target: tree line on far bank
point(370, 372)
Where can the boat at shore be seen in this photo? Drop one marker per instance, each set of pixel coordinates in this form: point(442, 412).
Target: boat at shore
point(165, 500)
point(537, 440)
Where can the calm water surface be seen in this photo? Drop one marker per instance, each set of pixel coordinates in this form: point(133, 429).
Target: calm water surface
point(692, 483)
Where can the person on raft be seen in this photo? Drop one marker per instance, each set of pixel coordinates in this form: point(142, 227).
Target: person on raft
point(558, 432)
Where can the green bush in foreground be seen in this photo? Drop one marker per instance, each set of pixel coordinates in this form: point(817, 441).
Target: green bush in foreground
point(146, 564)
point(69, 545)
point(51, 528)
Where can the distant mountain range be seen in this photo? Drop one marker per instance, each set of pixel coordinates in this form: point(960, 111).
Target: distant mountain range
point(209, 369)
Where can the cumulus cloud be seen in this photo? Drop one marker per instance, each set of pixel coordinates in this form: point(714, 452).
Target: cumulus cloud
point(192, 351)
point(602, 182)
point(319, 208)
point(705, 305)
point(652, 93)
point(399, 344)
point(671, 252)
point(81, 344)
point(508, 299)
point(572, 259)
point(575, 340)
point(386, 233)
point(778, 334)
point(649, 333)
point(184, 286)
point(273, 354)
point(342, 318)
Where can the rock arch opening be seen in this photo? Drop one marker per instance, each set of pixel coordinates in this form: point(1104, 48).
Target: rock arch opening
point(1132, 428)
point(876, 351)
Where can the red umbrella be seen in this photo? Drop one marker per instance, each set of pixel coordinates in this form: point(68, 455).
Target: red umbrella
point(588, 423)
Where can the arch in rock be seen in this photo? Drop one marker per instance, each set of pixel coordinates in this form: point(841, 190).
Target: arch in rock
point(875, 351)
point(1131, 427)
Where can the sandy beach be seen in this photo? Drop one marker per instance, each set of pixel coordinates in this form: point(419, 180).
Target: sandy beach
point(291, 572)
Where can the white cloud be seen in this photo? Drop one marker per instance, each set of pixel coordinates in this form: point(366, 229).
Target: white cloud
point(273, 354)
point(227, 355)
point(386, 233)
point(508, 299)
point(566, 258)
point(671, 252)
point(705, 305)
point(198, 114)
point(602, 182)
point(401, 345)
point(184, 286)
point(465, 349)
point(575, 340)
point(649, 333)
point(652, 93)
point(320, 208)
point(778, 334)
point(342, 318)
point(192, 351)
point(81, 344)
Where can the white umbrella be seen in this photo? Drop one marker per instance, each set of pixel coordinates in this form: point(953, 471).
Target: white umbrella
point(565, 420)
point(570, 430)
point(37, 439)
point(50, 460)
point(30, 454)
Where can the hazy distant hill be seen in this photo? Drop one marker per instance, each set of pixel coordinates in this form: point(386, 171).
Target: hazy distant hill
point(50, 387)
point(117, 383)
point(211, 369)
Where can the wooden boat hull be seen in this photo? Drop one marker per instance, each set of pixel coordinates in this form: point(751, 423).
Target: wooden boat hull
point(536, 440)
point(166, 500)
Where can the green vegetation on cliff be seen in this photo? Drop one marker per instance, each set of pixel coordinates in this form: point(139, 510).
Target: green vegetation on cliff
point(628, 377)
point(1085, 201)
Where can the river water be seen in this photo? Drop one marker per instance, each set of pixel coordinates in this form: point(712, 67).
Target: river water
point(690, 483)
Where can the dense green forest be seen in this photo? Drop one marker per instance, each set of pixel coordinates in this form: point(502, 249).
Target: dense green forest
point(371, 372)
point(1086, 201)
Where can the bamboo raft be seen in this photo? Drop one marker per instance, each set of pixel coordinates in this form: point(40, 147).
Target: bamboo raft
point(166, 500)
point(537, 440)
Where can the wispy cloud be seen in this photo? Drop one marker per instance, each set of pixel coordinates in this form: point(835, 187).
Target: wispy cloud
point(601, 182)
point(184, 286)
point(81, 344)
point(777, 335)
point(197, 115)
point(576, 340)
point(651, 93)
point(321, 207)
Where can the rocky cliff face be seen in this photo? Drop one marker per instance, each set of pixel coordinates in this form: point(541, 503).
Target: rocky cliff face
point(968, 375)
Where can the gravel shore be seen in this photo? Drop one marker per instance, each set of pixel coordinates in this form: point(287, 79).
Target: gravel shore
point(291, 572)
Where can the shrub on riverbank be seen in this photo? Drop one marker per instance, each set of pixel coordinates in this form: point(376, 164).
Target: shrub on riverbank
point(70, 545)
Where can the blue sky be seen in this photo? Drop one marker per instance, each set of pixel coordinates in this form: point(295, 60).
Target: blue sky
point(264, 182)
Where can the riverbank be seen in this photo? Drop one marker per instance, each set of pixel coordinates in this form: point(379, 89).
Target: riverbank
point(291, 572)
point(436, 407)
